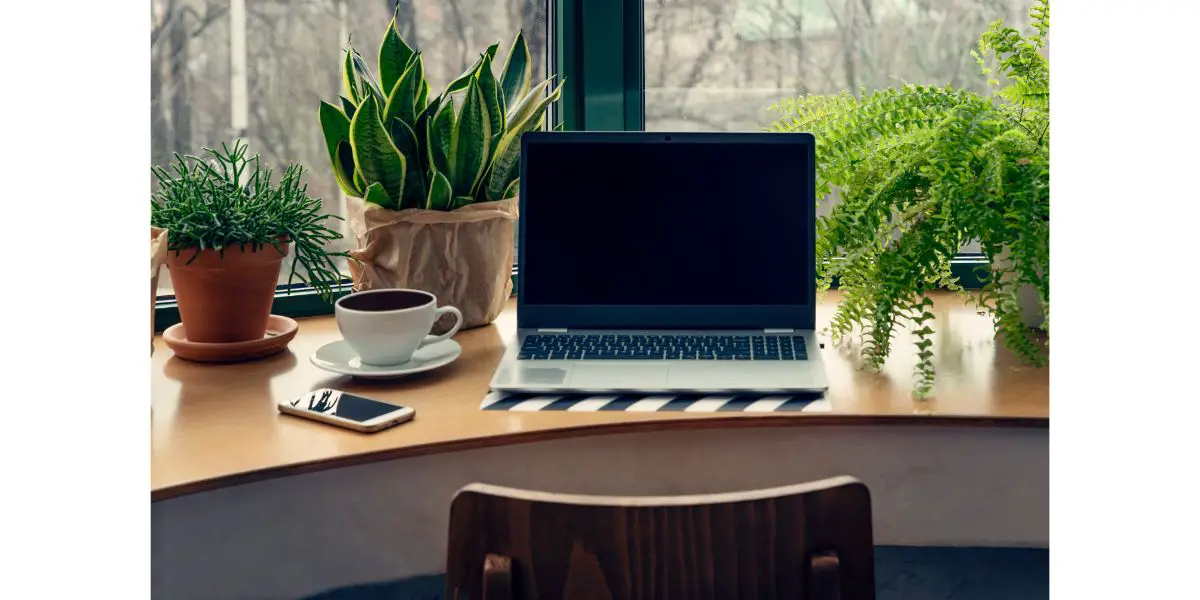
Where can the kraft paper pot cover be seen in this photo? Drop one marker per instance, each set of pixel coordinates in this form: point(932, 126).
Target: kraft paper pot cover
point(463, 257)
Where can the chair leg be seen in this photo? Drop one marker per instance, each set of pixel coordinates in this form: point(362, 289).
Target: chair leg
point(497, 577)
point(823, 577)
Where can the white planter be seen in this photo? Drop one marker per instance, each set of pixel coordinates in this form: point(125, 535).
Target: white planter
point(158, 255)
point(1028, 298)
point(1030, 302)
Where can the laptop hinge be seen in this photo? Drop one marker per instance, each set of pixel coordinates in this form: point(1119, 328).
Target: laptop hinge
point(552, 330)
point(779, 330)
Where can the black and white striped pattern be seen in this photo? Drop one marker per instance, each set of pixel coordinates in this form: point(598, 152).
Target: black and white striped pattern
point(751, 403)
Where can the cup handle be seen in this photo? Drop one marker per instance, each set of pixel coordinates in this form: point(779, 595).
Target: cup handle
point(458, 320)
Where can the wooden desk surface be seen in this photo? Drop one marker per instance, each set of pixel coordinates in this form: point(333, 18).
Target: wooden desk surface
point(217, 425)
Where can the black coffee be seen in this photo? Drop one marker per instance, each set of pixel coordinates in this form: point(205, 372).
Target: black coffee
point(381, 300)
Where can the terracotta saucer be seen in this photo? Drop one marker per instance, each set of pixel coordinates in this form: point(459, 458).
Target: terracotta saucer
point(280, 331)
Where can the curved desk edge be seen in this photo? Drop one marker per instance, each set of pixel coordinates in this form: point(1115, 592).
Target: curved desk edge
point(595, 429)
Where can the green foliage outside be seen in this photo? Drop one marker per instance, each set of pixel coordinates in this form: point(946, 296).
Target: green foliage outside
point(920, 172)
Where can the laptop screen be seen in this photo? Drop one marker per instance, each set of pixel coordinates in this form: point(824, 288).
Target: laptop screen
point(651, 223)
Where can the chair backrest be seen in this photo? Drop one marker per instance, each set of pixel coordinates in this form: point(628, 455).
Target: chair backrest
point(805, 541)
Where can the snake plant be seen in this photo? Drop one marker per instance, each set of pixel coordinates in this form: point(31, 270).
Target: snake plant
point(392, 144)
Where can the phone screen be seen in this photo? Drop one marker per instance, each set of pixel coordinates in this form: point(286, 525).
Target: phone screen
point(346, 406)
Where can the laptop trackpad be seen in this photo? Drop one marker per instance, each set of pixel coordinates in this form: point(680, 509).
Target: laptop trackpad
point(618, 376)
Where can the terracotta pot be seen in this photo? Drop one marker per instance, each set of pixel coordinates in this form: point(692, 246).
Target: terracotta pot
point(225, 297)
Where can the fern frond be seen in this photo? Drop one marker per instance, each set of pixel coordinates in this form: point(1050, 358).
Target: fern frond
point(1039, 17)
point(919, 171)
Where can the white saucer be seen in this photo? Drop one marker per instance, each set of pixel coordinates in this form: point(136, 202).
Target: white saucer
point(339, 358)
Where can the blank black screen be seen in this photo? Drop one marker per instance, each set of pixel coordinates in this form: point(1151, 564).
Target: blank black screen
point(666, 223)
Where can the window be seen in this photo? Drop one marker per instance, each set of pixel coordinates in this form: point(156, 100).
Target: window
point(292, 60)
point(627, 64)
point(716, 65)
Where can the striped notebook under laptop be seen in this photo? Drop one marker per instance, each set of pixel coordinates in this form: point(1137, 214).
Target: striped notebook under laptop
point(753, 403)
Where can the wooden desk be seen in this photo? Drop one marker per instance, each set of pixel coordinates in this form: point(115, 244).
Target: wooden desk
point(217, 425)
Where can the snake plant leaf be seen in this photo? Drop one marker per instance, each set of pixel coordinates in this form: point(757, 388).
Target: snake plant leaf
point(512, 189)
point(421, 129)
point(440, 194)
point(460, 201)
point(375, 156)
point(517, 75)
point(336, 128)
point(348, 107)
point(526, 105)
point(460, 83)
point(366, 81)
point(401, 102)
point(404, 139)
point(414, 176)
point(430, 108)
point(506, 162)
point(505, 166)
point(493, 102)
point(347, 175)
point(334, 125)
point(440, 130)
point(422, 96)
point(349, 80)
point(394, 55)
point(470, 142)
point(376, 195)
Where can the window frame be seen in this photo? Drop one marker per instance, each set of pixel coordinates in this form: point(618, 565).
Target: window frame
point(603, 90)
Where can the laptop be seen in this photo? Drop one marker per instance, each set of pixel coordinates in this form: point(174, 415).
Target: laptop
point(665, 262)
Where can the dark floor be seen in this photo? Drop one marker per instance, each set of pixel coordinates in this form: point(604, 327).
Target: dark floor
point(901, 573)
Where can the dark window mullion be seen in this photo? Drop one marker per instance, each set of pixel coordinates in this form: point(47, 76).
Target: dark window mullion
point(601, 58)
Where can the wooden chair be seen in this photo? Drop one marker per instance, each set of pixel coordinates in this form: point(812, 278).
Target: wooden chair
point(808, 541)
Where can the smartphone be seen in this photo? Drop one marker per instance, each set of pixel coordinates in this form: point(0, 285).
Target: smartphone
point(347, 410)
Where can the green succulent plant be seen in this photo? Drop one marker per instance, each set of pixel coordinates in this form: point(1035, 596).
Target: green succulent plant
point(228, 197)
point(923, 170)
point(393, 145)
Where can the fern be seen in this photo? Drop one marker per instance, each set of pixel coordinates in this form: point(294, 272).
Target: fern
point(921, 170)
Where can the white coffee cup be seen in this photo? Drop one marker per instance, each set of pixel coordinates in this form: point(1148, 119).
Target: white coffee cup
point(385, 327)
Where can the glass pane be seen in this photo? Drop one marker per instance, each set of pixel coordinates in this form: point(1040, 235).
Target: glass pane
point(293, 60)
point(716, 65)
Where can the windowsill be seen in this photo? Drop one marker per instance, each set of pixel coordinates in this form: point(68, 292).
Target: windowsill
point(216, 425)
point(303, 301)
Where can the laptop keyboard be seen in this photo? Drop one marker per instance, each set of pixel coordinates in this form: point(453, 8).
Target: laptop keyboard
point(567, 346)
